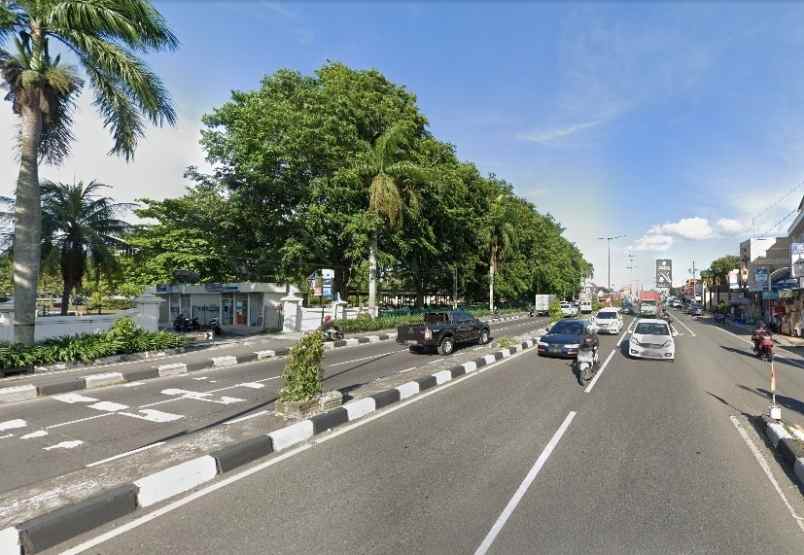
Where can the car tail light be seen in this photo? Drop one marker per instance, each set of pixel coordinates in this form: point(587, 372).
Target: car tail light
point(428, 333)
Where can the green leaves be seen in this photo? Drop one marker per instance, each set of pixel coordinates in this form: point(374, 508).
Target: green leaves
point(301, 378)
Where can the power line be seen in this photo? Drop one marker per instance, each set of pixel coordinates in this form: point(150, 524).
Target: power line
point(796, 188)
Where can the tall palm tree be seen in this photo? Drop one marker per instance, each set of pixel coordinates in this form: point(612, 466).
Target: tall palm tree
point(79, 224)
point(499, 233)
point(385, 163)
point(104, 36)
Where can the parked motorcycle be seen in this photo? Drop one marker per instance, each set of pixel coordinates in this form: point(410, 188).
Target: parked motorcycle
point(213, 326)
point(182, 323)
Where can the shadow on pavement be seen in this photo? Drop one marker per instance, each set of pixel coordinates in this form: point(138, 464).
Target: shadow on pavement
point(787, 402)
point(739, 351)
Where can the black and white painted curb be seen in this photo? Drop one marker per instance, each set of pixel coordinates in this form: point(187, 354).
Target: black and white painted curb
point(26, 392)
point(49, 529)
point(787, 447)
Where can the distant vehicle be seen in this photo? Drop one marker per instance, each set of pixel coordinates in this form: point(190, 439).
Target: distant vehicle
point(541, 304)
point(568, 309)
point(586, 306)
point(652, 338)
point(676, 303)
point(697, 312)
point(649, 303)
point(565, 338)
point(608, 320)
point(443, 331)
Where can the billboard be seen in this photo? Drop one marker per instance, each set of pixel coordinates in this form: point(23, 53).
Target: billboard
point(760, 278)
point(664, 273)
point(796, 260)
point(734, 279)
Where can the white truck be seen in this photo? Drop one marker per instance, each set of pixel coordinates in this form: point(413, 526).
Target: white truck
point(585, 302)
point(541, 304)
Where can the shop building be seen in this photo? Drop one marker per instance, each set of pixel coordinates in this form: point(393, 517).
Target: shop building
point(245, 306)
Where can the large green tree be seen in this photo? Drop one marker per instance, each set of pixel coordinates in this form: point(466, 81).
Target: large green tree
point(720, 268)
point(78, 223)
point(104, 37)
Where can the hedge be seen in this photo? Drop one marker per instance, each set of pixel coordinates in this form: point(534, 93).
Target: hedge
point(365, 323)
point(124, 338)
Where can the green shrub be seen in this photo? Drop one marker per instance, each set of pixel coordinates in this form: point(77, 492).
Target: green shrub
point(505, 342)
point(123, 338)
point(555, 311)
point(301, 378)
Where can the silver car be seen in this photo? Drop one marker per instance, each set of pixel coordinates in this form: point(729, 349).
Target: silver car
point(652, 338)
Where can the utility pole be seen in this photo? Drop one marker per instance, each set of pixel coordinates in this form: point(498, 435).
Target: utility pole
point(693, 271)
point(609, 239)
point(454, 288)
point(630, 267)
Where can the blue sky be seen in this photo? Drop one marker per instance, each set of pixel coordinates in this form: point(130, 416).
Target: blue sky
point(654, 120)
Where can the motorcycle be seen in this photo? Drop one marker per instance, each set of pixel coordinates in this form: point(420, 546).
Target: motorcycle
point(720, 318)
point(214, 327)
point(182, 323)
point(531, 313)
point(763, 346)
point(332, 334)
point(586, 364)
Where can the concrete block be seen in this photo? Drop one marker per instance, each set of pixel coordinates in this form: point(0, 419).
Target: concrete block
point(268, 353)
point(490, 359)
point(282, 351)
point(62, 387)
point(457, 371)
point(426, 382)
point(330, 400)
point(328, 420)
point(199, 365)
point(442, 377)
point(408, 389)
point(101, 380)
point(18, 393)
point(67, 522)
point(790, 449)
point(291, 435)
point(10, 541)
point(352, 342)
point(373, 338)
point(175, 369)
point(775, 432)
point(359, 408)
point(363, 340)
point(242, 453)
point(248, 357)
point(798, 468)
point(175, 480)
point(470, 366)
point(499, 355)
point(384, 398)
point(228, 360)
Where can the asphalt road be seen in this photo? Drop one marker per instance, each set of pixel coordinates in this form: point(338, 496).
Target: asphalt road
point(51, 436)
point(655, 457)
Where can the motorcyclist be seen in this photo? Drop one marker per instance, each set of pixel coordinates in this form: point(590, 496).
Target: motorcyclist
point(329, 327)
point(760, 332)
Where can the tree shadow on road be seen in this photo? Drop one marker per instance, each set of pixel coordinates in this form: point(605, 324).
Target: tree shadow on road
point(787, 402)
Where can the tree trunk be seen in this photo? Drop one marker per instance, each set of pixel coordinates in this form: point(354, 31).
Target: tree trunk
point(65, 298)
point(27, 227)
point(419, 292)
point(491, 279)
point(339, 283)
point(372, 300)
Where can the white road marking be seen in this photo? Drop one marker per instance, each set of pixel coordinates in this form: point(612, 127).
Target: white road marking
point(127, 453)
point(108, 406)
point(12, 424)
point(64, 445)
point(268, 379)
point(32, 435)
point(764, 465)
point(6, 436)
point(72, 398)
point(408, 369)
point(599, 373)
point(146, 518)
point(686, 327)
point(384, 355)
point(133, 384)
point(523, 487)
point(248, 417)
point(252, 385)
point(620, 340)
point(202, 378)
point(152, 415)
point(52, 426)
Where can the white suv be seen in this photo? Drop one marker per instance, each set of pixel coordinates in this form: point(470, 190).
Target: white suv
point(608, 320)
point(568, 309)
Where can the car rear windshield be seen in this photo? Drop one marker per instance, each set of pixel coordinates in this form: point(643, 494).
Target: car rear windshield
point(568, 328)
point(652, 329)
point(606, 315)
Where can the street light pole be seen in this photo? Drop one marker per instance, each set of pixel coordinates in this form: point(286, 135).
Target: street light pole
point(609, 239)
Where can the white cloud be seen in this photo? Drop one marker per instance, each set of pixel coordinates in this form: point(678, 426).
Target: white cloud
point(688, 228)
point(547, 136)
point(729, 226)
point(654, 242)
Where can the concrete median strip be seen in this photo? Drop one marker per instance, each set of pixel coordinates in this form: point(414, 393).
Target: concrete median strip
point(101, 380)
point(789, 449)
point(61, 523)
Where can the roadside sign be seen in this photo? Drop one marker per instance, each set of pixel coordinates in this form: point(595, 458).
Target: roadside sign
point(797, 259)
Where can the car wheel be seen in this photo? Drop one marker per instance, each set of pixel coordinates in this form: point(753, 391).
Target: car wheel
point(446, 346)
point(414, 349)
point(484, 337)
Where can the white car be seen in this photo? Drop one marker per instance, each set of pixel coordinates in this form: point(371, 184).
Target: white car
point(652, 338)
point(568, 309)
point(608, 320)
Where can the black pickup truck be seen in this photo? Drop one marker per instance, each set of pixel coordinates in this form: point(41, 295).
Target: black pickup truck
point(444, 330)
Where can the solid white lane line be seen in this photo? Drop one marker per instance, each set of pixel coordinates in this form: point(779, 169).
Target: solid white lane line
point(686, 327)
point(127, 453)
point(764, 465)
point(52, 426)
point(408, 369)
point(599, 372)
point(248, 417)
point(384, 355)
point(523, 487)
point(620, 340)
point(120, 530)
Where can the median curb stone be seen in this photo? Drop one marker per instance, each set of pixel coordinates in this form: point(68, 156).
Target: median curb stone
point(60, 524)
point(789, 449)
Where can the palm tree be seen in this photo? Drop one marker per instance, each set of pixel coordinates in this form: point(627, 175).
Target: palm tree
point(499, 233)
point(104, 36)
point(79, 224)
point(385, 164)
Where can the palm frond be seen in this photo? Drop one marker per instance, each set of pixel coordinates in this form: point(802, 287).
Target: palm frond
point(384, 198)
point(10, 19)
point(58, 103)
